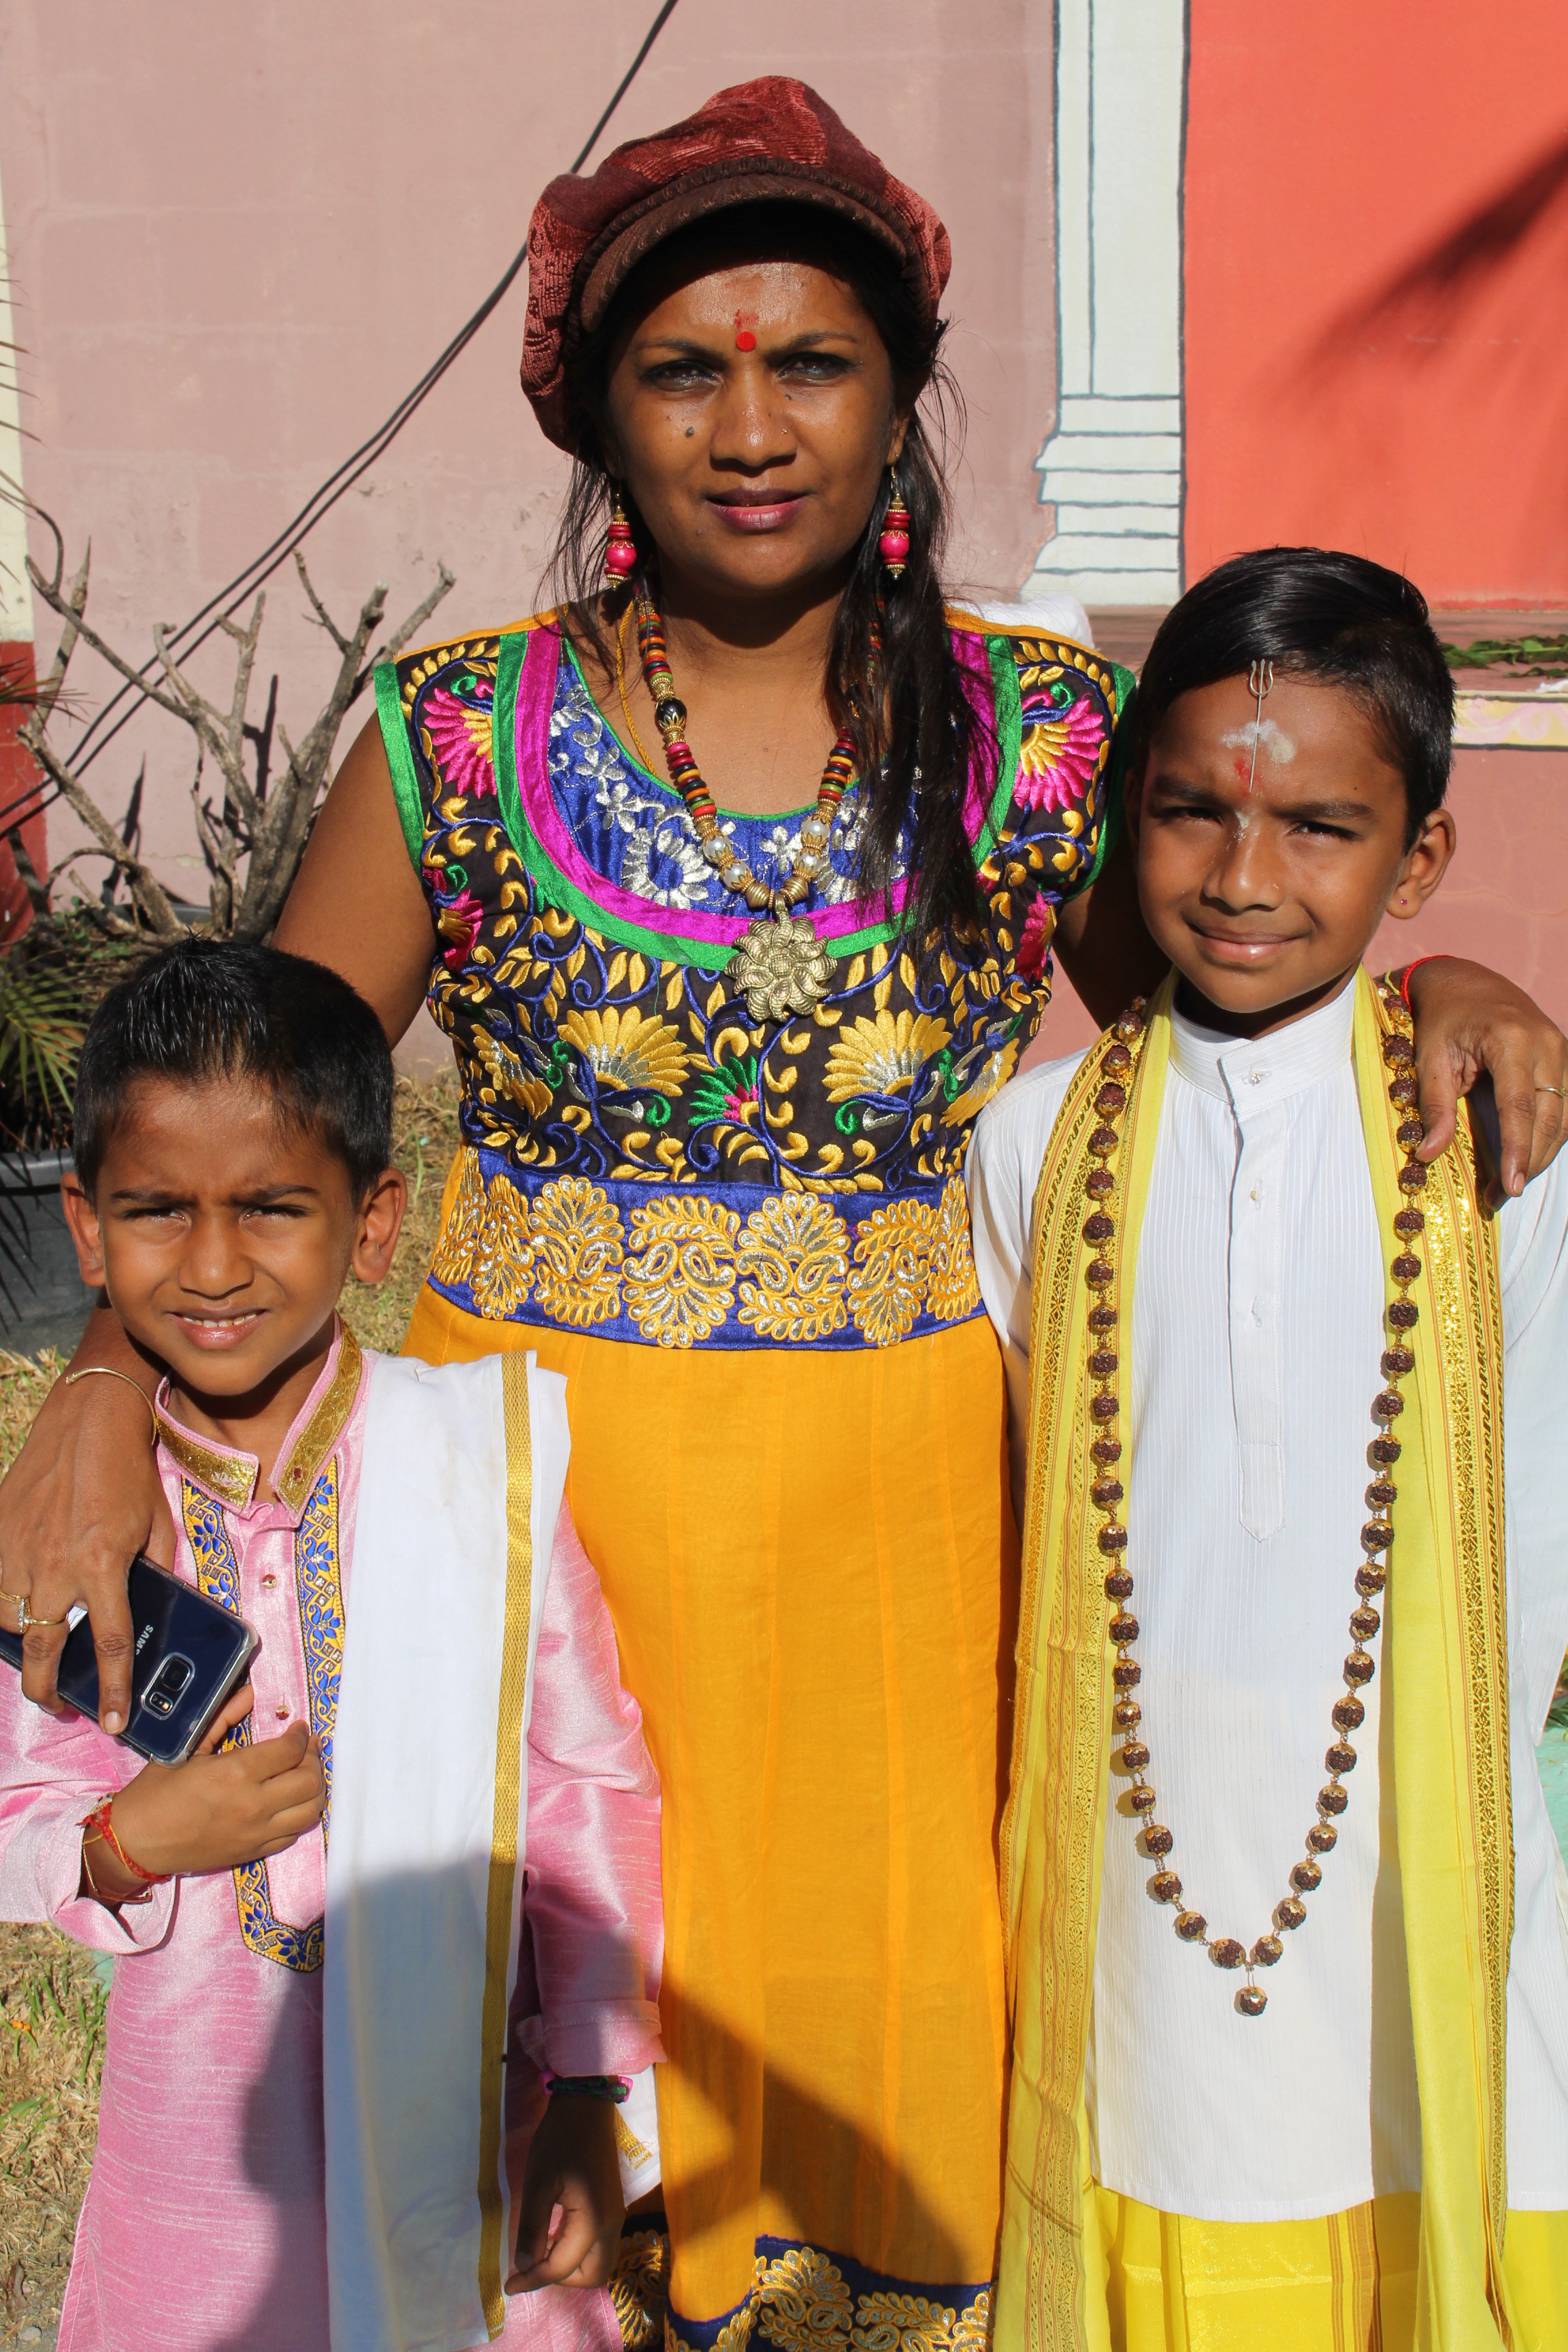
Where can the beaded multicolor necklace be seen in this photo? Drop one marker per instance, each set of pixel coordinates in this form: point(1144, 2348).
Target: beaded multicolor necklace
point(1116, 1066)
point(779, 967)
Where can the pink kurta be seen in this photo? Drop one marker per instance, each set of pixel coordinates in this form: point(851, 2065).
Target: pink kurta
point(204, 2227)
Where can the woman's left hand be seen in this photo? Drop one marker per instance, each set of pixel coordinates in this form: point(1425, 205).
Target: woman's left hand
point(1468, 1020)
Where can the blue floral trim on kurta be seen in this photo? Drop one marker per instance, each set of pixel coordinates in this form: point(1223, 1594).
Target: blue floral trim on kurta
point(320, 1582)
point(642, 1160)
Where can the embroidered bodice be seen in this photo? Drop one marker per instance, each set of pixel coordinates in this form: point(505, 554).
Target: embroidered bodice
point(641, 1159)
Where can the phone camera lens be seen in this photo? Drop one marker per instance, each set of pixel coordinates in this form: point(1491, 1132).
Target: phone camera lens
point(164, 1692)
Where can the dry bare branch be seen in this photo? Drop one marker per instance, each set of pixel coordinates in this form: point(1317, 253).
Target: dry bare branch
point(416, 620)
point(77, 626)
point(319, 610)
point(267, 836)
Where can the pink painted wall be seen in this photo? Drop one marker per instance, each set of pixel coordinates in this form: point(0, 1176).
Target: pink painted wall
point(236, 237)
point(1504, 900)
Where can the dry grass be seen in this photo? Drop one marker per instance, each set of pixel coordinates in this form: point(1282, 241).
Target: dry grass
point(425, 1138)
point(51, 1993)
point(51, 2017)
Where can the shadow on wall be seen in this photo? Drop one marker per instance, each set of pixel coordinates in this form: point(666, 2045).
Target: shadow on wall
point(1472, 321)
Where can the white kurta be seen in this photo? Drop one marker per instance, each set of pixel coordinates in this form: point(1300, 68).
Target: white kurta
point(1256, 1330)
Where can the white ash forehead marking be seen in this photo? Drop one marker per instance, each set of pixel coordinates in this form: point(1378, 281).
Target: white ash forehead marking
point(1262, 735)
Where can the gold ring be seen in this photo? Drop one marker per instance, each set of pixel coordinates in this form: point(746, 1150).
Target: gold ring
point(19, 1598)
point(1542, 1088)
point(28, 1620)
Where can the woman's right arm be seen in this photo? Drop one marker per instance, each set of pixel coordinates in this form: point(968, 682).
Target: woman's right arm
point(84, 1495)
point(357, 904)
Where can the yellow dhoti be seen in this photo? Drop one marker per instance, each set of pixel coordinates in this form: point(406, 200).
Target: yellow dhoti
point(1345, 2283)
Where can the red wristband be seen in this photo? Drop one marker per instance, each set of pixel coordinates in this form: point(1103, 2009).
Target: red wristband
point(1404, 978)
point(100, 1823)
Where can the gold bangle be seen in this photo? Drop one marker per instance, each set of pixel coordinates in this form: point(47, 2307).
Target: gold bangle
point(110, 1372)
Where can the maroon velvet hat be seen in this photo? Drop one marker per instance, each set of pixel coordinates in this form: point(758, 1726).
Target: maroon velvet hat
point(764, 140)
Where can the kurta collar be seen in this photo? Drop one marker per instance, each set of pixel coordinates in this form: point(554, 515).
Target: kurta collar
point(1254, 1074)
point(230, 1475)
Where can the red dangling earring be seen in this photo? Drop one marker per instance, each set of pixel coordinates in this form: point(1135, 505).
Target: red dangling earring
point(620, 550)
point(894, 543)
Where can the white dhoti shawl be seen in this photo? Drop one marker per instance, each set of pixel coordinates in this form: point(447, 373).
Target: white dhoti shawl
point(464, 1473)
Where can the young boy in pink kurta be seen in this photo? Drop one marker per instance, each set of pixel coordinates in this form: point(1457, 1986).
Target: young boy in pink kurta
point(203, 2224)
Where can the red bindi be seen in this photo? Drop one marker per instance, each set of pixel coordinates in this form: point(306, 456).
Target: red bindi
point(745, 341)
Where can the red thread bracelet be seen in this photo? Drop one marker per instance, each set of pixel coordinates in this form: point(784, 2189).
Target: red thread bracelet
point(100, 1825)
point(1404, 977)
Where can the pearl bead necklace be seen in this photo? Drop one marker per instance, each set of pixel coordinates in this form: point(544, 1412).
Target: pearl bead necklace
point(1117, 1066)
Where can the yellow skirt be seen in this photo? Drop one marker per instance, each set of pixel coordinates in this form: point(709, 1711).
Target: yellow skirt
point(1345, 2283)
point(811, 1566)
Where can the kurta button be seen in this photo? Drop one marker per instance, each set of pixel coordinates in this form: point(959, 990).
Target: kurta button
point(281, 1712)
point(267, 1582)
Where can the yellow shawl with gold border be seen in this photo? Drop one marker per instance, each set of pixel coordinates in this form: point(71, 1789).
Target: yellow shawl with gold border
point(1447, 1687)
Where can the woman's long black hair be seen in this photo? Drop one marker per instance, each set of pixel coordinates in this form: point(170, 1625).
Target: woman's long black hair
point(915, 723)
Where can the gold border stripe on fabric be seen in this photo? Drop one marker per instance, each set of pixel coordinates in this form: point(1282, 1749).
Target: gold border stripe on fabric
point(1447, 1662)
point(1052, 1853)
point(502, 1889)
point(322, 1431)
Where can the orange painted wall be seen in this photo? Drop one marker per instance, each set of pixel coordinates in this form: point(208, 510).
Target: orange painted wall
point(1376, 225)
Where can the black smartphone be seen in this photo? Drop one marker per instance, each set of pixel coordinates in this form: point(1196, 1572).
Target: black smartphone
point(190, 1654)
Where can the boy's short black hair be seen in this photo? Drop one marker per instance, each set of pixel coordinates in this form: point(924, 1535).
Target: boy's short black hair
point(1318, 613)
point(214, 1008)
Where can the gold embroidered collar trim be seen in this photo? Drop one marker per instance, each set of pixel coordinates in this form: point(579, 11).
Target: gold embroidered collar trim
point(232, 1475)
point(296, 1476)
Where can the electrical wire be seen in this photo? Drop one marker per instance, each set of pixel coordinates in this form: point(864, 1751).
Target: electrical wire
point(184, 640)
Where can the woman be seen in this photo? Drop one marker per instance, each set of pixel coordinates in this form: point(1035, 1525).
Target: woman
point(733, 886)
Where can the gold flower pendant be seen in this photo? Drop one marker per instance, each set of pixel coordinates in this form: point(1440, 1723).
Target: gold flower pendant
point(779, 967)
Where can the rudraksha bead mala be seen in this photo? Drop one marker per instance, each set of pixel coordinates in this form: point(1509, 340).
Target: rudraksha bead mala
point(1108, 1493)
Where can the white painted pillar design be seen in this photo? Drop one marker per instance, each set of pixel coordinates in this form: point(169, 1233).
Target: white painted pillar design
point(1112, 468)
point(15, 595)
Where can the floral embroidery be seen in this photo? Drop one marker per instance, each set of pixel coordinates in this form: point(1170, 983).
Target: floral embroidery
point(461, 739)
point(682, 1269)
point(606, 1065)
point(626, 1050)
point(502, 1270)
point(322, 1612)
point(458, 923)
point(508, 1076)
point(804, 2303)
point(217, 1575)
point(803, 2300)
point(460, 1233)
point(1061, 741)
point(884, 1057)
point(1035, 939)
point(976, 1086)
point(728, 1093)
point(953, 1290)
point(792, 1270)
point(576, 1238)
point(680, 1275)
point(909, 2323)
point(639, 2288)
point(892, 1257)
